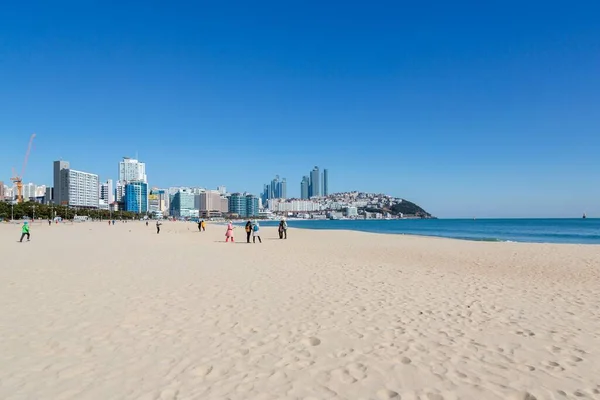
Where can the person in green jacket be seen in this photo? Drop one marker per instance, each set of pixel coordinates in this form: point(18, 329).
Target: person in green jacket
point(25, 231)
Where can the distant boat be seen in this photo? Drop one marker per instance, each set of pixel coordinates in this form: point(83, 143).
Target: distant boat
point(584, 216)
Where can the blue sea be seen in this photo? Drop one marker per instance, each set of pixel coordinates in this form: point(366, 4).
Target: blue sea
point(582, 231)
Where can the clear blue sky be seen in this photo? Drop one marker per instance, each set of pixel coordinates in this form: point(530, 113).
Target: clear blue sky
point(467, 108)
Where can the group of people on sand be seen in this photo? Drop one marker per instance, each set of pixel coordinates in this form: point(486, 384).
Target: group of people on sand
point(252, 229)
point(201, 226)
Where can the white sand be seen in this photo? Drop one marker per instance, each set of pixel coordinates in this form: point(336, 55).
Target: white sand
point(89, 311)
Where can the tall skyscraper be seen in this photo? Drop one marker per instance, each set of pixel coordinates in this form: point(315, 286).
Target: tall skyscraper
point(136, 197)
point(305, 188)
point(276, 189)
point(283, 189)
point(325, 182)
point(131, 170)
point(1, 191)
point(61, 190)
point(315, 183)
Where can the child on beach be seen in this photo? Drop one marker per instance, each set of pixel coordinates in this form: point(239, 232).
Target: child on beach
point(25, 231)
point(229, 233)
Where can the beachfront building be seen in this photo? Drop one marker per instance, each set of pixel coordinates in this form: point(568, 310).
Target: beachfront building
point(276, 205)
point(325, 182)
point(237, 204)
point(131, 170)
point(182, 204)
point(212, 204)
point(252, 206)
point(106, 192)
point(75, 188)
point(243, 205)
point(136, 197)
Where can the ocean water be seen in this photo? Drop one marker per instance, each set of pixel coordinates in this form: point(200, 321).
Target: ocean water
point(582, 231)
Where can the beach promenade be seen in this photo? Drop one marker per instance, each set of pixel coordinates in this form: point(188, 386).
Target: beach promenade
point(91, 311)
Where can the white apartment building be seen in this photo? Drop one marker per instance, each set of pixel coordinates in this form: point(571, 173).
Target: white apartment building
point(119, 191)
point(106, 192)
point(29, 191)
point(82, 188)
point(293, 206)
point(131, 170)
point(351, 212)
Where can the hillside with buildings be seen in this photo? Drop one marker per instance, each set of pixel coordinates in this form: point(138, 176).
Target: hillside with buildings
point(352, 205)
point(76, 192)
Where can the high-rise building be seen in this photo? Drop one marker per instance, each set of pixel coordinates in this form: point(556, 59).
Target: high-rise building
point(305, 188)
point(237, 204)
point(283, 189)
point(136, 197)
point(325, 182)
point(154, 201)
point(29, 191)
point(119, 191)
point(40, 191)
point(49, 196)
point(276, 189)
point(131, 170)
point(210, 200)
point(315, 185)
point(251, 206)
point(182, 204)
point(243, 205)
point(61, 190)
point(224, 204)
point(222, 190)
point(1, 191)
point(107, 192)
point(75, 188)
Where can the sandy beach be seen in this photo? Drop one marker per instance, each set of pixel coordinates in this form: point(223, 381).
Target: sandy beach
point(91, 311)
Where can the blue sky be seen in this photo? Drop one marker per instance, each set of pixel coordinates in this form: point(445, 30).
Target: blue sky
point(468, 109)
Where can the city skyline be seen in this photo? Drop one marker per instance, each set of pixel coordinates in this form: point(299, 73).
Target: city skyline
point(438, 103)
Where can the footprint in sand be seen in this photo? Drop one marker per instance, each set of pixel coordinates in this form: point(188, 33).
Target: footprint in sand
point(312, 341)
point(385, 394)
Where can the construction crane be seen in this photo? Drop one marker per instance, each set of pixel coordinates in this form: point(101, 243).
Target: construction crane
point(18, 179)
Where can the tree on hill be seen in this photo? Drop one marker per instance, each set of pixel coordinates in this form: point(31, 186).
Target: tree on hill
point(409, 208)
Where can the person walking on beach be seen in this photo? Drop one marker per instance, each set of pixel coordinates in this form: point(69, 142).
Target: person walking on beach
point(248, 231)
point(203, 225)
point(25, 231)
point(229, 233)
point(280, 229)
point(256, 232)
point(49, 222)
point(158, 224)
point(199, 226)
point(146, 222)
point(284, 227)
